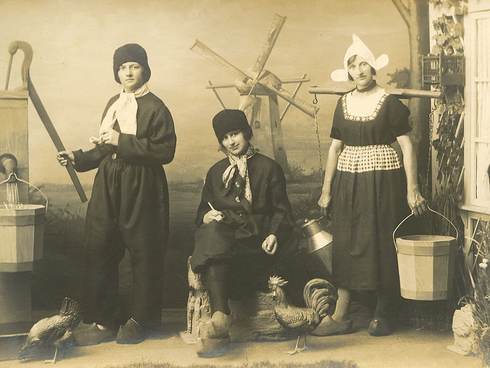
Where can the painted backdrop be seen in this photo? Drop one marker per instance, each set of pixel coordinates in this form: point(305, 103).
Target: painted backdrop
point(73, 44)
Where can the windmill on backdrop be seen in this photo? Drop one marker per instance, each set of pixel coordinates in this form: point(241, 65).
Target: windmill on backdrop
point(259, 90)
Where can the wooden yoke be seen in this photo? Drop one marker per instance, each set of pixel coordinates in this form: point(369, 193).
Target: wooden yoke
point(36, 101)
point(400, 92)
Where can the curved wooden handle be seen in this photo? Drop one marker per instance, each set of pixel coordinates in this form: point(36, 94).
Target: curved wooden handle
point(26, 64)
point(53, 134)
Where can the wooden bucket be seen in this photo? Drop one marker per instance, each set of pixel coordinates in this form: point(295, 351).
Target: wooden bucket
point(21, 232)
point(426, 263)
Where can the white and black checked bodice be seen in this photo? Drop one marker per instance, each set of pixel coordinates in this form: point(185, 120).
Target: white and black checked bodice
point(367, 138)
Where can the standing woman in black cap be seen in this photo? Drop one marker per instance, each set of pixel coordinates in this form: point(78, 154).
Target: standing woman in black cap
point(243, 219)
point(129, 205)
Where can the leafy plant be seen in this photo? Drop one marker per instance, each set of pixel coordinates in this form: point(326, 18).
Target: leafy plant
point(480, 299)
point(400, 78)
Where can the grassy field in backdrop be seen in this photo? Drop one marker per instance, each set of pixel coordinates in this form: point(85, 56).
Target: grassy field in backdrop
point(59, 273)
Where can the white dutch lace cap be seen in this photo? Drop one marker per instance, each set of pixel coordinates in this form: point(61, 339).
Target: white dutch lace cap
point(359, 48)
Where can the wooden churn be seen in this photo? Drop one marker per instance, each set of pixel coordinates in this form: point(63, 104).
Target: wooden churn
point(426, 263)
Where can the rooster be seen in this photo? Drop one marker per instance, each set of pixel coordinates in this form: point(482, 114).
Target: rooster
point(52, 331)
point(320, 297)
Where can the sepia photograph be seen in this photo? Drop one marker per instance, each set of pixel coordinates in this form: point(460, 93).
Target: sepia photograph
point(245, 183)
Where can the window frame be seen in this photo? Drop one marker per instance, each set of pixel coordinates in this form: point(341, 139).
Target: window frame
point(481, 11)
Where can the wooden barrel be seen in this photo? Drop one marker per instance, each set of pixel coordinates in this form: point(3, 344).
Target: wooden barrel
point(426, 266)
point(22, 232)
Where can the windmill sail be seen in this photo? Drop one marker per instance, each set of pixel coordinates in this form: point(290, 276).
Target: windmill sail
point(205, 51)
point(295, 101)
point(276, 27)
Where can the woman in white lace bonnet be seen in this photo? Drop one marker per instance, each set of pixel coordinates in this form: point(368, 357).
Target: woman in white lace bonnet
point(367, 188)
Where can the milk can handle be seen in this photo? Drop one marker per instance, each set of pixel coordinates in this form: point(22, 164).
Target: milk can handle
point(29, 184)
point(411, 214)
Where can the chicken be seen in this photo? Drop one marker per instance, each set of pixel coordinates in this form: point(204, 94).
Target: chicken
point(52, 331)
point(320, 297)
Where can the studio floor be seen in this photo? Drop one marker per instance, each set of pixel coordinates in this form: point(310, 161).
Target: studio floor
point(405, 348)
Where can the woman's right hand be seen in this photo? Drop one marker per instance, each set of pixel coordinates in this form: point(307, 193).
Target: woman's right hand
point(213, 215)
point(64, 157)
point(324, 202)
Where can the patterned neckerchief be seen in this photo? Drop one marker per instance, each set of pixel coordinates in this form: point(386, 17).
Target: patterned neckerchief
point(240, 163)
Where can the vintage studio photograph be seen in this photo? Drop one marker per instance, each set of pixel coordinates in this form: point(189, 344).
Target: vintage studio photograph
point(245, 183)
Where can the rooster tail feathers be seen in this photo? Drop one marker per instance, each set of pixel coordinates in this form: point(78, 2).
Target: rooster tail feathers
point(320, 295)
point(69, 306)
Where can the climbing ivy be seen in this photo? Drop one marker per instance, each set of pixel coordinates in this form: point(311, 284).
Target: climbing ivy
point(448, 113)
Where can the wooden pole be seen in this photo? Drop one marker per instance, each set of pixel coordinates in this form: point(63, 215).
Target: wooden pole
point(53, 134)
point(293, 96)
point(36, 101)
point(276, 134)
point(217, 95)
point(400, 92)
point(283, 81)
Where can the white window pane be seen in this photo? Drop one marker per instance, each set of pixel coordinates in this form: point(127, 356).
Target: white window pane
point(482, 166)
point(483, 78)
point(483, 50)
point(483, 110)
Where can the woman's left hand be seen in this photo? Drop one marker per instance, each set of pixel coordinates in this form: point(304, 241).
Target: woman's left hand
point(269, 245)
point(416, 202)
point(110, 137)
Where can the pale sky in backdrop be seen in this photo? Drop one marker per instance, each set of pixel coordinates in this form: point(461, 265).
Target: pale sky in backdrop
point(74, 41)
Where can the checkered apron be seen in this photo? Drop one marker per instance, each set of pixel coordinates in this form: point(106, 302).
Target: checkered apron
point(359, 159)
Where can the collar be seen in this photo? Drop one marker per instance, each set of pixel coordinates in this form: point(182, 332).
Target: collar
point(368, 88)
point(140, 92)
point(249, 153)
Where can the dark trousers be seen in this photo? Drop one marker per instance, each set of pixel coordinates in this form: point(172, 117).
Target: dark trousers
point(101, 284)
point(125, 213)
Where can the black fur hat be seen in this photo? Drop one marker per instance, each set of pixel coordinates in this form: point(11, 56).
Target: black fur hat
point(229, 120)
point(131, 52)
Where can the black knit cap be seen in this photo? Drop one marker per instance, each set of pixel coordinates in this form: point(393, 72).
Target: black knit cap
point(131, 52)
point(229, 120)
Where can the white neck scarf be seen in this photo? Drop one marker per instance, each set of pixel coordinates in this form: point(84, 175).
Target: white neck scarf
point(239, 162)
point(123, 110)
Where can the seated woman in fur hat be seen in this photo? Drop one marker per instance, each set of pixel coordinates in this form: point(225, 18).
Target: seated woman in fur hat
point(129, 205)
point(244, 220)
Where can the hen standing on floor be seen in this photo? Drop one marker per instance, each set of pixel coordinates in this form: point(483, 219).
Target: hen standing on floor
point(55, 331)
point(368, 189)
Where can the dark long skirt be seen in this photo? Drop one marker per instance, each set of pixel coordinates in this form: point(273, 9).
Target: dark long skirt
point(366, 208)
